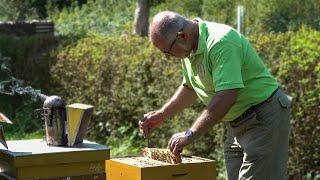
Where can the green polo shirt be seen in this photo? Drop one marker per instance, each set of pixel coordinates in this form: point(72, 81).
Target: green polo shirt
point(226, 60)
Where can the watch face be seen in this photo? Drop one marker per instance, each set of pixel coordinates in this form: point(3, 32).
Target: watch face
point(189, 134)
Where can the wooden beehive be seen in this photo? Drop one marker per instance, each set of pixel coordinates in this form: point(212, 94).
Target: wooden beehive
point(142, 168)
point(33, 159)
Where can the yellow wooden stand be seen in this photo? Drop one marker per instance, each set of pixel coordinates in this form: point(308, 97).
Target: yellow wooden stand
point(140, 168)
point(33, 159)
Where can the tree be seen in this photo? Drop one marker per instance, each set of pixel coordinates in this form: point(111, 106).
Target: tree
point(141, 22)
point(15, 10)
point(291, 15)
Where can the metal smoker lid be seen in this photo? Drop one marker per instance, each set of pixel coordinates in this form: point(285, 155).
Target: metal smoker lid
point(54, 101)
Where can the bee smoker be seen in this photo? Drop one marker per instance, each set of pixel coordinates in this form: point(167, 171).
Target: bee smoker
point(53, 113)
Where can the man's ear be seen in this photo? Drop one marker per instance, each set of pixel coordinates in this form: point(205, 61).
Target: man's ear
point(182, 36)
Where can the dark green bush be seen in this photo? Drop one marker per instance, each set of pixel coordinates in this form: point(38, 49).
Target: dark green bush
point(295, 60)
point(116, 17)
point(29, 60)
point(126, 77)
point(300, 73)
point(290, 15)
point(99, 16)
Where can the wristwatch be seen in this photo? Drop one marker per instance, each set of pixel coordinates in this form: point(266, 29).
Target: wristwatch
point(189, 134)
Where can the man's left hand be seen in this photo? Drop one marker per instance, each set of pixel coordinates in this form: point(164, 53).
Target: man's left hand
point(177, 142)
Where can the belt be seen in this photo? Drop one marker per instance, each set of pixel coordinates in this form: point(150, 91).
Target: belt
point(251, 109)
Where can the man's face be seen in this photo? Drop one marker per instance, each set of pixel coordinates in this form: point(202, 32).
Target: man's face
point(176, 47)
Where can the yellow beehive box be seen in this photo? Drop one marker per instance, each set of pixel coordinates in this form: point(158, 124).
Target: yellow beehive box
point(142, 168)
point(33, 159)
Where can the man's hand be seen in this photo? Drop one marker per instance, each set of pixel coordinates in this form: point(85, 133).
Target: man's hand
point(182, 98)
point(177, 142)
point(150, 121)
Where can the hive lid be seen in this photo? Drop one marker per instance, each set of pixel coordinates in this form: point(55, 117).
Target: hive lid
point(37, 152)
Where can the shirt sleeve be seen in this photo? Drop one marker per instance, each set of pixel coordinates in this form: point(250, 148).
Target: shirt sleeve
point(185, 80)
point(226, 60)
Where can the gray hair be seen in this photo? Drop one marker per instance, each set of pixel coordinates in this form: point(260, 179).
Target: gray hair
point(166, 24)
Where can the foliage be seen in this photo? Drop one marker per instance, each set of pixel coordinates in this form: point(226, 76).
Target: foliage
point(79, 17)
point(28, 57)
point(29, 61)
point(188, 8)
point(290, 15)
point(301, 74)
point(295, 59)
point(15, 10)
point(259, 16)
point(124, 60)
point(124, 78)
point(100, 16)
point(23, 135)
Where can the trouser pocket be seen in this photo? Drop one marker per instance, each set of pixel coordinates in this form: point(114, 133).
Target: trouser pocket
point(285, 101)
point(273, 111)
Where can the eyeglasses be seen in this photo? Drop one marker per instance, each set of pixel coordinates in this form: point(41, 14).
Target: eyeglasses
point(167, 52)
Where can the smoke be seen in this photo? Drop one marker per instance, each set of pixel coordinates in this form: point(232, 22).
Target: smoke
point(10, 85)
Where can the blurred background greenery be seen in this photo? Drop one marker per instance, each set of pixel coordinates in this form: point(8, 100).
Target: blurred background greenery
point(95, 58)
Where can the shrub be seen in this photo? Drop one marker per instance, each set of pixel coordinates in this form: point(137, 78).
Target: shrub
point(125, 77)
point(29, 60)
point(100, 16)
point(300, 73)
point(30, 57)
point(295, 60)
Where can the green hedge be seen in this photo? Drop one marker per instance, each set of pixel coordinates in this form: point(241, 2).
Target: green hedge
point(295, 59)
point(125, 77)
point(99, 16)
point(29, 60)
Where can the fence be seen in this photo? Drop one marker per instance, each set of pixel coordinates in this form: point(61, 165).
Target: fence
point(26, 28)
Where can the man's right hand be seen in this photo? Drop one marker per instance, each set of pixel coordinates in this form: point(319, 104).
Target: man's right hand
point(150, 121)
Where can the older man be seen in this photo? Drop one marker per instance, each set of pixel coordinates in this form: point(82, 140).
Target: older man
point(221, 68)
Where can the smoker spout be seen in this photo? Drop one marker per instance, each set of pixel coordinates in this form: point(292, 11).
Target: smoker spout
point(43, 97)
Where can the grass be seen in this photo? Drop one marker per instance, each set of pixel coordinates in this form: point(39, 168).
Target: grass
point(21, 136)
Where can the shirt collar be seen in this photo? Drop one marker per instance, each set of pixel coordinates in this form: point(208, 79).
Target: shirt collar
point(202, 37)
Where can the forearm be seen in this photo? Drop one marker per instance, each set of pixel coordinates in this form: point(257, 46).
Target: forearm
point(181, 99)
point(214, 112)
